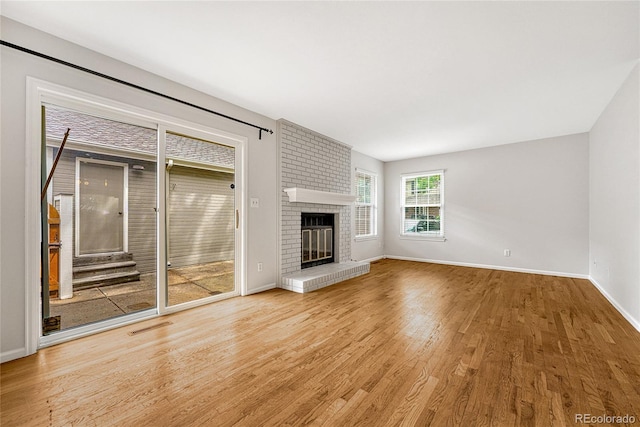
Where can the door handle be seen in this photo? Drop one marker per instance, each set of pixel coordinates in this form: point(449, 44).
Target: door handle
point(237, 218)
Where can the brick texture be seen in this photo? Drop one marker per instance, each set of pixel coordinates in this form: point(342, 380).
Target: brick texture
point(312, 161)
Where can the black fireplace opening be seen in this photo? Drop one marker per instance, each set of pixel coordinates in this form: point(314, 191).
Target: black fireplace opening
point(317, 239)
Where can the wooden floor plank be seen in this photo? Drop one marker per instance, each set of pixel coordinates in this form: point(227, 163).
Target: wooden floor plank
point(408, 344)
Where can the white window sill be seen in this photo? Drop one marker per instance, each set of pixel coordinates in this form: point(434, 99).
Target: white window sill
point(365, 238)
point(423, 237)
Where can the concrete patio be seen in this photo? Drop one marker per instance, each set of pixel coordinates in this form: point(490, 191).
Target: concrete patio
point(104, 302)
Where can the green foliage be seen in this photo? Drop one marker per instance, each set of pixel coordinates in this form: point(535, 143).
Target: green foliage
point(428, 182)
point(422, 183)
point(363, 189)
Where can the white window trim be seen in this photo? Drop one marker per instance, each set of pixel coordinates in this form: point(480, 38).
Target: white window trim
point(423, 237)
point(373, 204)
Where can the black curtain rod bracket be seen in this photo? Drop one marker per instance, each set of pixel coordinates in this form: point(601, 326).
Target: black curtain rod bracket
point(132, 85)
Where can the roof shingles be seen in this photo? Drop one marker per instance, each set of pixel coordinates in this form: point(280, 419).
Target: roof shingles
point(109, 133)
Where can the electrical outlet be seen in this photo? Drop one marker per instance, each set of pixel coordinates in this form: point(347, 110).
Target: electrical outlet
point(259, 266)
point(255, 202)
point(507, 252)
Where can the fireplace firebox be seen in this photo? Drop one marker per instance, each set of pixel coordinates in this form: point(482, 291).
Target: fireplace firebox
point(317, 239)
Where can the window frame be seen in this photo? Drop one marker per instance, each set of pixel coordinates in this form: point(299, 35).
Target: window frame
point(373, 205)
point(440, 235)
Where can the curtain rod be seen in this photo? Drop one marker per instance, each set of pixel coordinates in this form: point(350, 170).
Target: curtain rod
point(135, 86)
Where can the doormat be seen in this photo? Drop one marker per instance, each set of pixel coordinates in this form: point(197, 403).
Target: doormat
point(139, 306)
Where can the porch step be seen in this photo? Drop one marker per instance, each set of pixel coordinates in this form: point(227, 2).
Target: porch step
point(93, 271)
point(97, 269)
point(106, 279)
point(102, 259)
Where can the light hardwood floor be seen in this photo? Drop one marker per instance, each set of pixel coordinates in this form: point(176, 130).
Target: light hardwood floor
point(408, 344)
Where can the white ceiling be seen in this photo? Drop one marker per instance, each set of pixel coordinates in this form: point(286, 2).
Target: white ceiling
point(393, 79)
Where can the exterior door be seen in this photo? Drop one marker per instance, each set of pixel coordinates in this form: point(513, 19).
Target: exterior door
point(101, 207)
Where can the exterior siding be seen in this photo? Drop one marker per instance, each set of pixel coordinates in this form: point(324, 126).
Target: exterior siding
point(142, 201)
point(142, 215)
point(201, 216)
point(202, 207)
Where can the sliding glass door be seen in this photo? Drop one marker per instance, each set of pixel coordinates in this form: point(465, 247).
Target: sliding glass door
point(126, 239)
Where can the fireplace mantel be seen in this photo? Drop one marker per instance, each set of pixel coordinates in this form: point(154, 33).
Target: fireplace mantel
point(303, 195)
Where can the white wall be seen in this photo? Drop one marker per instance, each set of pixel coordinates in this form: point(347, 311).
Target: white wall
point(529, 197)
point(368, 248)
point(614, 208)
point(16, 66)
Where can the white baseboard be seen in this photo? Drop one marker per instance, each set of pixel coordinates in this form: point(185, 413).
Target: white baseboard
point(493, 267)
point(370, 260)
point(634, 322)
point(261, 289)
point(13, 354)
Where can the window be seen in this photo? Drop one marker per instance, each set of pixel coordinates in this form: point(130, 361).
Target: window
point(365, 215)
point(423, 204)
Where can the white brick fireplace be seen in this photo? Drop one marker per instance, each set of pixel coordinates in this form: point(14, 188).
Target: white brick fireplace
point(316, 174)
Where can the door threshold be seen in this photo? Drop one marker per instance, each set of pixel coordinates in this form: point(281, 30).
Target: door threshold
point(94, 328)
